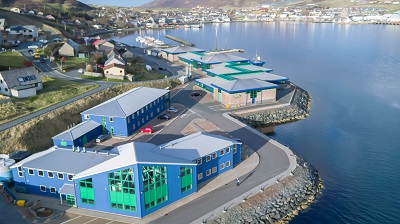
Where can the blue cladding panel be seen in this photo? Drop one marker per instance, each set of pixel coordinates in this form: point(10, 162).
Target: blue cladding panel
point(125, 126)
point(237, 155)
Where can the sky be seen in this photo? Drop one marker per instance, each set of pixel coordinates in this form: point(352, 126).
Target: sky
point(116, 2)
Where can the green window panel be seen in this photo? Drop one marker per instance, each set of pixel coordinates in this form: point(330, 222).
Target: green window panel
point(186, 178)
point(155, 185)
point(87, 191)
point(121, 186)
point(70, 199)
point(63, 143)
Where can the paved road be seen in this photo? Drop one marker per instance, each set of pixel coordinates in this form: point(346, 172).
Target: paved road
point(273, 161)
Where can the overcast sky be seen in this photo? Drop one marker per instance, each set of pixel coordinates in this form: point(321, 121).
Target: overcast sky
point(116, 2)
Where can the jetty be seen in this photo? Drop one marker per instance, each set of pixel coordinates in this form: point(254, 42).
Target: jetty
point(184, 42)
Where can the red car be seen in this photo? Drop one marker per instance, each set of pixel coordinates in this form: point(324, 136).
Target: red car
point(147, 129)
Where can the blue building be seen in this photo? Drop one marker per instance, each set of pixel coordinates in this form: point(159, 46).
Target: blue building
point(126, 113)
point(134, 179)
point(78, 135)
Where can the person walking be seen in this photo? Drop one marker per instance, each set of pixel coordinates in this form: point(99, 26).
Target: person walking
point(237, 181)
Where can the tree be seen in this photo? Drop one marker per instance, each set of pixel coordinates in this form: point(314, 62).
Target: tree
point(97, 56)
point(89, 68)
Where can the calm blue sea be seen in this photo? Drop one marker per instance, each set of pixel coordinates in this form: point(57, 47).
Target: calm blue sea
point(353, 133)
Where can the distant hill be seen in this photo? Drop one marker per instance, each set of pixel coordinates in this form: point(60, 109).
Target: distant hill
point(59, 5)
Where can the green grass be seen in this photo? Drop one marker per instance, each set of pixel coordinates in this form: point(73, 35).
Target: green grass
point(12, 59)
point(150, 76)
point(72, 63)
point(54, 91)
point(103, 79)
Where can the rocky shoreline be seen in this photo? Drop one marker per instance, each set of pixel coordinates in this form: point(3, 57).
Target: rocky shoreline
point(278, 203)
point(298, 109)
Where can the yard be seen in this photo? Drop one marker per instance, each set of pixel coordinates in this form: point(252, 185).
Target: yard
point(11, 59)
point(54, 91)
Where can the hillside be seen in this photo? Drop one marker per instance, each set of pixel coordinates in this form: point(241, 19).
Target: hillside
point(206, 3)
point(60, 5)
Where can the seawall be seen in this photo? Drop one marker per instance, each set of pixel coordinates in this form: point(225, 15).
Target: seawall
point(299, 108)
point(278, 203)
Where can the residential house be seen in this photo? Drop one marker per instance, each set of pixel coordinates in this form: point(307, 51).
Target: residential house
point(20, 83)
point(125, 53)
point(105, 46)
point(2, 24)
point(69, 49)
point(114, 66)
point(126, 113)
point(29, 31)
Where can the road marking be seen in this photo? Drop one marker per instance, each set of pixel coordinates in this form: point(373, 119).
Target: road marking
point(71, 219)
point(196, 113)
point(156, 133)
point(90, 221)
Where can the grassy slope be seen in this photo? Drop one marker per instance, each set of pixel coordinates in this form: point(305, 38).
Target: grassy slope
point(54, 91)
point(11, 59)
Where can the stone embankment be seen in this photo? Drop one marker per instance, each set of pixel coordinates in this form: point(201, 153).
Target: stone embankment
point(278, 203)
point(299, 108)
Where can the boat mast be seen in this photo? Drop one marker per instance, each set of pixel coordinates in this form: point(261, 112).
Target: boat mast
point(216, 39)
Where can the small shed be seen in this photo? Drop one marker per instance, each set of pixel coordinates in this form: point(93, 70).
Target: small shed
point(78, 135)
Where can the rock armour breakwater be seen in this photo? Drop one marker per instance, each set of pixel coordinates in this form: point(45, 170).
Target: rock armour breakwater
point(278, 203)
point(299, 108)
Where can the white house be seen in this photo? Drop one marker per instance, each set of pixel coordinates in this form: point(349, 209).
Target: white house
point(30, 31)
point(114, 66)
point(20, 83)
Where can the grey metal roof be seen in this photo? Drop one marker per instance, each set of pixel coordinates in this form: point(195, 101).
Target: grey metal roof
point(222, 70)
point(190, 56)
point(127, 103)
point(242, 85)
point(64, 160)
point(196, 145)
point(112, 57)
point(220, 58)
point(133, 153)
point(67, 189)
point(210, 81)
point(77, 131)
point(74, 45)
point(252, 68)
point(10, 77)
point(182, 49)
point(265, 76)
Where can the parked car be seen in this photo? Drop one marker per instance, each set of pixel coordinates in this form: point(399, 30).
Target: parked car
point(42, 60)
point(33, 47)
point(172, 110)
point(101, 138)
point(36, 55)
point(81, 70)
point(30, 51)
point(195, 94)
point(161, 68)
point(163, 117)
point(147, 129)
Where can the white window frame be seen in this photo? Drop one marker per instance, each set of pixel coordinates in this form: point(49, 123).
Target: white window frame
point(48, 172)
point(222, 166)
point(199, 176)
point(228, 163)
point(222, 152)
point(38, 173)
point(214, 169)
point(199, 161)
point(234, 149)
point(227, 150)
point(20, 171)
point(111, 119)
point(58, 176)
point(55, 190)
point(142, 110)
point(40, 187)
point(29, 172)
point(208, 158)
point(87, 116)
point(70, 175)
point(214, 155)
point(208, 172)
